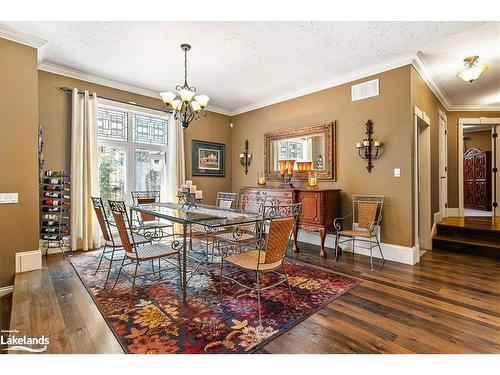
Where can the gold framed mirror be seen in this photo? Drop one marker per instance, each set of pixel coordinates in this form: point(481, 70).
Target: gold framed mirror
point(312, 147)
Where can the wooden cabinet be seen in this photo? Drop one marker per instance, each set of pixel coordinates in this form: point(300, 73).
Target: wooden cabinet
point(319, 208)
point(477, 179)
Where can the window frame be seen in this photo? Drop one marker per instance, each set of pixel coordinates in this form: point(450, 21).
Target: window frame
point(130, 146)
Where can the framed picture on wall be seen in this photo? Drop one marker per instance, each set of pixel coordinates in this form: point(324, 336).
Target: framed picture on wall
point(208, 159)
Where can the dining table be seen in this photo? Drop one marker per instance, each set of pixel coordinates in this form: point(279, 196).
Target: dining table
point(210, 218)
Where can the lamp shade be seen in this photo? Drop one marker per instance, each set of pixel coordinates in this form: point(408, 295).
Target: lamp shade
point(186, 95)
point(470, 74)
point(167, 97)
point(177, 104)
point(195, 106)
point(202, 100)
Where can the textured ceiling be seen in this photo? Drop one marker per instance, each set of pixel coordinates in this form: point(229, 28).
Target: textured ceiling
point(244, 64)
point(445, 59)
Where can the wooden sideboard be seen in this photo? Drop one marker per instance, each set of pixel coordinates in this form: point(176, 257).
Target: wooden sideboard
point(319, 208)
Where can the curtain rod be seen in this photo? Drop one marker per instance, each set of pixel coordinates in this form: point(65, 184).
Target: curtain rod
point(69, 90)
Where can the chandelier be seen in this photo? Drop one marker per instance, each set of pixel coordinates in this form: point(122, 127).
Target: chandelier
point(186, 105)
point(472, 71)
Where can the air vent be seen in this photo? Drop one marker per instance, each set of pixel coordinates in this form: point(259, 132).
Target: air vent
point(364, 90)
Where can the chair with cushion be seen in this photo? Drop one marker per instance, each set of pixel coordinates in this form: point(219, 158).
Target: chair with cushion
point(136, 254)
point(112, 241)
point(269, 254)
point(146, 224)
point(366, 217)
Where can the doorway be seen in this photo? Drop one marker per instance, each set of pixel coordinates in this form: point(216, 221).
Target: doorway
point(479, 188)
point(422, 178)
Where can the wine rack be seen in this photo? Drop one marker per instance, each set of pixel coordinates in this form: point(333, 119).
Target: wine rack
point(55, 202)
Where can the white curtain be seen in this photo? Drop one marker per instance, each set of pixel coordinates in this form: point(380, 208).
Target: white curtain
point(176, 159)
point(84, 170)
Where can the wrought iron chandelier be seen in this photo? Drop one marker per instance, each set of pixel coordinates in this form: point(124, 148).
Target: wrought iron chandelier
point(186, 106)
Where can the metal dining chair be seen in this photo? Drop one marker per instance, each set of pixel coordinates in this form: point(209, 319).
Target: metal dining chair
point(366, 218)
point(112, 241)
point(136, 254)
point(269, 254)
point(225, 201)
point(146, 224)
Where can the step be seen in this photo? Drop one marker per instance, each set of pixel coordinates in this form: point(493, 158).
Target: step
point(468, 233)
point(466, 244)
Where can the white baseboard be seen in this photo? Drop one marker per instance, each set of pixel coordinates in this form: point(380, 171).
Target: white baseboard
point(395, 253)
point(4, 290)
point(453, 212)
point(28, 261)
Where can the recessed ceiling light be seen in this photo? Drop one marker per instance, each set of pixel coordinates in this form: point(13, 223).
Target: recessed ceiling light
point(472, 70)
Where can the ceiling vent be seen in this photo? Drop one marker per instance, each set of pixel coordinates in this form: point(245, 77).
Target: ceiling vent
point(365, 90)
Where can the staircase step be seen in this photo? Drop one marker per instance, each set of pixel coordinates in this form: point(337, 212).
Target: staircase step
point(466, 244)
point(468, 233)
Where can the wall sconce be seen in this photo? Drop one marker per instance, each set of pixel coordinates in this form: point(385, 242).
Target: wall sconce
point(370, 148)
point(245, 157)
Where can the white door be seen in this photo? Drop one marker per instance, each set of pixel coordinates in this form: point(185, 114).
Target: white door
point(443, 165)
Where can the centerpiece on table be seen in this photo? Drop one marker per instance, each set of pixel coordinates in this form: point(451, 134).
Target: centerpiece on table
point(188, 195)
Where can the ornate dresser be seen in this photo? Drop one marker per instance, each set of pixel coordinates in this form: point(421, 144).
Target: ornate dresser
point(319, 208)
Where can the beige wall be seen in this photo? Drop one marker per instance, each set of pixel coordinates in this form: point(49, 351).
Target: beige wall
point(390, 112)
point(425, 100)
point(55, 115)
point(18, 154)
point(479, 139)
point(214, 128)
point(453, 150)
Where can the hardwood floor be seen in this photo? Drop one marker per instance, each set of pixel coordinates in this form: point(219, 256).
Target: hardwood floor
point(448, 303)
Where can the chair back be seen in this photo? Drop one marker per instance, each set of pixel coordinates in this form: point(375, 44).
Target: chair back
point(283, 220)
point(253, 202)
point(123, 223)
point(145, 197)
point(226, 201)
point(100, 212)
point(367, 210)
point(279, 236)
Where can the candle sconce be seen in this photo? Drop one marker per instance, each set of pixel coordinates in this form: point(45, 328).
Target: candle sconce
point(245, 157)
point(369, 149)
point(286, 173)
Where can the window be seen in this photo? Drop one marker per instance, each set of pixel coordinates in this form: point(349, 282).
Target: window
point(133, 151)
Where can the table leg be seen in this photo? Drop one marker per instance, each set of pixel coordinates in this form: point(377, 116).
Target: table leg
point(322, 234)
point(295, 235)
point(184, 261)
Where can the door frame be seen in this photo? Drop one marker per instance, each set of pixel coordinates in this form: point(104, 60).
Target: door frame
point(461, 122)
point(443, 195)
point(419, 118)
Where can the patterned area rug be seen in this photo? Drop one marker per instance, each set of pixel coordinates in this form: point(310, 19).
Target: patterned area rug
point(159, 322)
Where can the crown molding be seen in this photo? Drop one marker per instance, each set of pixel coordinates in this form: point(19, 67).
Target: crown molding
point(475, 108)
point(415, 59)
point(22, 38)
point(422, 68)
point(87, 77)
point(329, 83)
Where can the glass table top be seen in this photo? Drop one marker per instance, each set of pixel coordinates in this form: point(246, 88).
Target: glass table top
point(205, 215)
